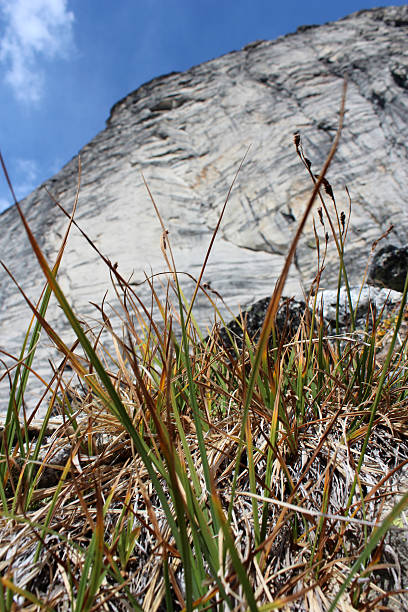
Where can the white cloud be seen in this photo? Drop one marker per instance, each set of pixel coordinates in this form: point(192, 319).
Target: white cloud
point(33, 30)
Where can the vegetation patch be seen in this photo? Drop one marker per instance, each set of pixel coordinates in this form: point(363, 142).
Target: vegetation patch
point(193, 473)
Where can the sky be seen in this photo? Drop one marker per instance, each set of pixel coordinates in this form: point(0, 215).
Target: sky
point(65, 63)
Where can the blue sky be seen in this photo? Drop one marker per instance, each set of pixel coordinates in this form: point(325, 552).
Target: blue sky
point(64, 63)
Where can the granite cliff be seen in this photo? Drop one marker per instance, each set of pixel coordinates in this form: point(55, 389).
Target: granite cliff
point(187, 133)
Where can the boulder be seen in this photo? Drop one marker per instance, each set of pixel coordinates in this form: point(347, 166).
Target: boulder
point(389, 267)
point(291, 311)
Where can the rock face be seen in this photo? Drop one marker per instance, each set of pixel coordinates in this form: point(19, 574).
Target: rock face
point(389, 267)
point(187, 134)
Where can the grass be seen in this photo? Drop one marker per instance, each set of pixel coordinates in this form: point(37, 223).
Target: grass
point(188, 473)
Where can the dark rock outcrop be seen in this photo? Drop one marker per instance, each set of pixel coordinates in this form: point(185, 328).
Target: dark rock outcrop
point(371, 300)
point(288, 319)
point(389, 267)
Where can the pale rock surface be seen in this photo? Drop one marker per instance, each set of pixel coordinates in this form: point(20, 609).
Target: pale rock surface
point(187, 134)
